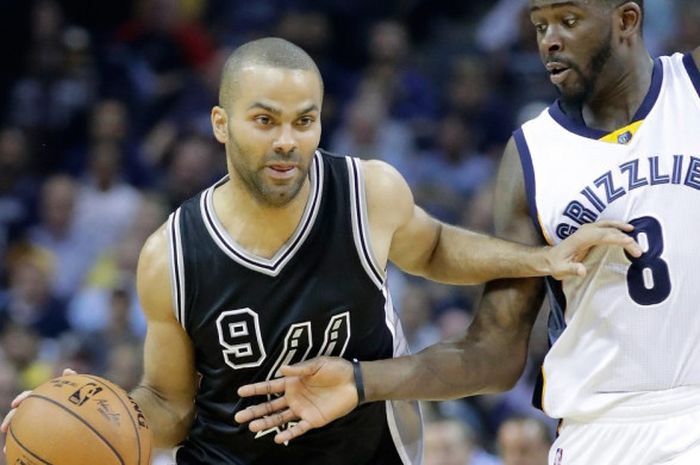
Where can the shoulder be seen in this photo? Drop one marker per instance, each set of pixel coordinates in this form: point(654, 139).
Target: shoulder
point(511, 210)
point(389, 198)
point(153, 275)
point(384, 183)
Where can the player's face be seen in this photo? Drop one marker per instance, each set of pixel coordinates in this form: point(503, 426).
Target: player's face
point(575, 43)
point(274, 127)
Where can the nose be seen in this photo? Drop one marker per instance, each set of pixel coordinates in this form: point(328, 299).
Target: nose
point(551, 40)
point(286, 142)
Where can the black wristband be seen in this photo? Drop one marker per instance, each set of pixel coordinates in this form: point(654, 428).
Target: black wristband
point(359, 383)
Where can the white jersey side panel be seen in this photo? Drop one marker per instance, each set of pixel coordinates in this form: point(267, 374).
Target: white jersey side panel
point(629, 330)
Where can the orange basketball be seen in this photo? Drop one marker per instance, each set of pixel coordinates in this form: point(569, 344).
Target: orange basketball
point(78, 420)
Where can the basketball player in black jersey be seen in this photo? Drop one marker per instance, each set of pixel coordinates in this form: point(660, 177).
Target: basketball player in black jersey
point(283, 260)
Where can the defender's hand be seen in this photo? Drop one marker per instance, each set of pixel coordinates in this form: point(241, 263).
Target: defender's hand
point(314, 393)
point(564, 259)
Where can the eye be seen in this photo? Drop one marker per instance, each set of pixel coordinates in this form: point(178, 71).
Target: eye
point(541, 28)
point(263, 120)
point(305, 121)
point(570, 22)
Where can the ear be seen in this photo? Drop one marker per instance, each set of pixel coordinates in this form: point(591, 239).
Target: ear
point(629, 17)
point(219, 123)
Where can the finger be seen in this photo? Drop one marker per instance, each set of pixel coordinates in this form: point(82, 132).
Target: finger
point(6, 421)
point(20, 398)
point(260, 410)
point(306, 368)
point(278, 419)
point(293, 432)
point(609, 236)
point(570, 270)
point(621, 225)
point(69, 371)
point(613, 237)
point(634, 249)
point(274, 386)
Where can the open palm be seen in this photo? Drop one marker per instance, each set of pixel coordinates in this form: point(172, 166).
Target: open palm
point(312, 394)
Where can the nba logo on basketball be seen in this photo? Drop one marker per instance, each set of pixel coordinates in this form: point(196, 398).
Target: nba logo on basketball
point(558, 456)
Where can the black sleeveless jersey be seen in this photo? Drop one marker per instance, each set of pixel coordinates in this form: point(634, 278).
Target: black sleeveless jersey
point(321, 294)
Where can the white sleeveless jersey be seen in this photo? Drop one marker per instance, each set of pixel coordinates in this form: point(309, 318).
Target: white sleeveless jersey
point(628, 334)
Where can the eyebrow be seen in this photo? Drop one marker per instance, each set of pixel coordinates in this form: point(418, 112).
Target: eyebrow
point(554, 5)
point(277, 112)
point(267, 108)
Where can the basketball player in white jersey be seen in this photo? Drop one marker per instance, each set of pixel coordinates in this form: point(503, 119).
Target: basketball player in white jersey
point(623, 371)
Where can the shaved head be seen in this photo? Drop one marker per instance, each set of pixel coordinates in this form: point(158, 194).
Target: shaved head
point(270, 52)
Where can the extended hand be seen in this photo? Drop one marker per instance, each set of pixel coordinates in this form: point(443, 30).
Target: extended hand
point(314, 393)
point(565, 258)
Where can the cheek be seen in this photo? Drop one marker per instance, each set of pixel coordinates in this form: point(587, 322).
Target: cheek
point(310, 139)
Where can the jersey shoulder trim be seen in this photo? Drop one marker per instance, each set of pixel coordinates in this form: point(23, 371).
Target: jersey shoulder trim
point(360, 222)
point(529, 178)
point(177, 269)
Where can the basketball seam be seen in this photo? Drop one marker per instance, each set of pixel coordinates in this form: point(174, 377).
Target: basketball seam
point(19, 443)
point(128, 411)
point(48, 399)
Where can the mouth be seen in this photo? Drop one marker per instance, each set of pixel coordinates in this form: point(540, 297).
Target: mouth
point(281, 171)
point(558, 72)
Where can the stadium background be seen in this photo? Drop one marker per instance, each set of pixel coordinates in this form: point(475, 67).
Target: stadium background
point(104, 129)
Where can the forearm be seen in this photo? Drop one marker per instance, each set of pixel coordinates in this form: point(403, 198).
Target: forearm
point(168, 422)
point(466, 257)
point(490, 357)
point(443, 371)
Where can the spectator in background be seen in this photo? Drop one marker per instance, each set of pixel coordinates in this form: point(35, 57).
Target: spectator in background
point(51, 99)
point(17, 190)
point(369, 132)
point(29, 300)
point(58, 232)
point(109, 124)
point(471, 93)
point(410, 95)
point(162, 46)
point(451, 442)
point(687, 32)
point(193, 167)
point(444, 178)
point(524, 441)
point(107, 309)
point(106, 205)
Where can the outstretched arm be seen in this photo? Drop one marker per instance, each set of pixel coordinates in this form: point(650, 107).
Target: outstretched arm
point(489, 357)
point(419, 244)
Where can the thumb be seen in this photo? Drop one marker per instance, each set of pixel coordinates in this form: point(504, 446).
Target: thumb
point(306, 368)
point(574, 269)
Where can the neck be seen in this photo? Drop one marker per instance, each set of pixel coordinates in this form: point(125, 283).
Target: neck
point(255, 225)
point(614, 105)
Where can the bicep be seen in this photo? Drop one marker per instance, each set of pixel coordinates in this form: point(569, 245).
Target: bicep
point(168, 351)
point(401, 231)
point(414, 242)
point(169, 361)
point(510, 306)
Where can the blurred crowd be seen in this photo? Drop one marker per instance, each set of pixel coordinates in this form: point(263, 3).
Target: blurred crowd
point(104, 129)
